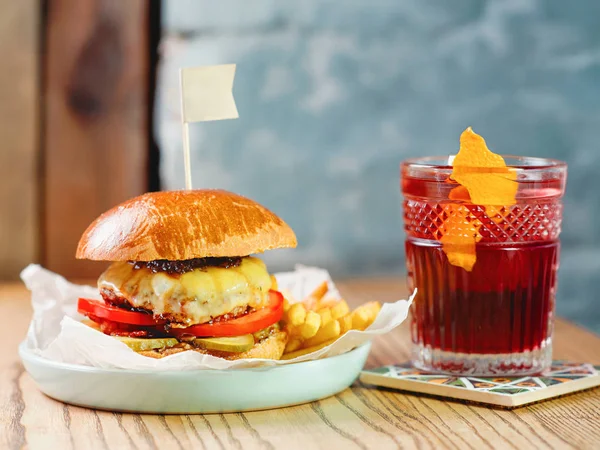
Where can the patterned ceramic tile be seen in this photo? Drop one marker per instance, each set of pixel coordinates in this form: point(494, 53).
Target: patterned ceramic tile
point(562, 378)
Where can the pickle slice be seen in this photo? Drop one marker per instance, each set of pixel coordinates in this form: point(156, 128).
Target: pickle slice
point(265, 332)
point(234, 344)
point(144, 344)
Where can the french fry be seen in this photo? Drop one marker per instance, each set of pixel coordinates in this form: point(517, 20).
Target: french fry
point(273, 283)
point(310, 303)
point(313, 299)
point(326, 316)
point(293, 345)
point(311, 325)
point(307, 350)
point(329, 303)
point(364, 315)
point(371, 308)
point(286, 304)
point(340, 309)
point(345, 323)
point(360, 319)
point(296, 315)
point(320, 291)
point(326, 333)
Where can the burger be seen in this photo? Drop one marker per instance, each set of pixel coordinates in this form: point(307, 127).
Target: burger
point(182, 276)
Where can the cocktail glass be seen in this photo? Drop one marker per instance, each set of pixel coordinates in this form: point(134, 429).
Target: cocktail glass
point(498, 318)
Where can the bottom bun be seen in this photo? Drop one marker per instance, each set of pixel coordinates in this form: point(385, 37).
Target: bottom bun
point(271, 347)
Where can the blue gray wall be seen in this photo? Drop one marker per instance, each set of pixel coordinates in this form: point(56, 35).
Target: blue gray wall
point(332, 95)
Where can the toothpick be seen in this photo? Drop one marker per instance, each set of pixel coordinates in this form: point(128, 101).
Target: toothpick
point(186, 155)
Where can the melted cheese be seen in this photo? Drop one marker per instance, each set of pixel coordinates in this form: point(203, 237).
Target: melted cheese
point(194, 297)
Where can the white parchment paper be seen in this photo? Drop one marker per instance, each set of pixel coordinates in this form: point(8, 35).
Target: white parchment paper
point(56, 332)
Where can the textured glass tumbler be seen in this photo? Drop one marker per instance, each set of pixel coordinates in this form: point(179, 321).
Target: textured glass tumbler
point(497, 319)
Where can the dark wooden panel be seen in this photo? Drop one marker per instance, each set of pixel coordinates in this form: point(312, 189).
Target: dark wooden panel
point(96, 114)
point(19, 126)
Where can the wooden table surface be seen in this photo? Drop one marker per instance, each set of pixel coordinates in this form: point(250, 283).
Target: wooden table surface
point(359, 417)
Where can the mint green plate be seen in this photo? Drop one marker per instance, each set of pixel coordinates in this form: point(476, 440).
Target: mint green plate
point(199, 391)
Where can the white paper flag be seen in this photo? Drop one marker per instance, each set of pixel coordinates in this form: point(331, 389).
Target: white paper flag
point(207, 93)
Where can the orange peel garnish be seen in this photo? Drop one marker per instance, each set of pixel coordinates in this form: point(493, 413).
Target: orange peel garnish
point(483, 173)
point(460, 233)
point(484, 179)
point(460, 193)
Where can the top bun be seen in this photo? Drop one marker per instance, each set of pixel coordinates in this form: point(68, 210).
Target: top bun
point(178, 225)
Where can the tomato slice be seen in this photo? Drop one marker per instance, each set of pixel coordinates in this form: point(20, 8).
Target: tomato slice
point(250, 323)
point(113, 328)
point(99, 309)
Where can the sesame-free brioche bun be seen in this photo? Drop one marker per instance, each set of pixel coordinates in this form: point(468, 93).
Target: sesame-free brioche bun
point(179, 225)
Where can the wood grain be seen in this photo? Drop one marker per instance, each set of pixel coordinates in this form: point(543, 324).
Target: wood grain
point(19, 128)
point(95, 115)
point(360, 417)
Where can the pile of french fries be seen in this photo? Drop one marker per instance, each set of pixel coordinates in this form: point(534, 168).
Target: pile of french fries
point(316, 322)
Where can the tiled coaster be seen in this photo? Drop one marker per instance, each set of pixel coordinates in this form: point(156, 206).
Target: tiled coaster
point(508, 392)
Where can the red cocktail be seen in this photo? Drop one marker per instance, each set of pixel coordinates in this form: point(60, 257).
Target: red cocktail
point(497, 318)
